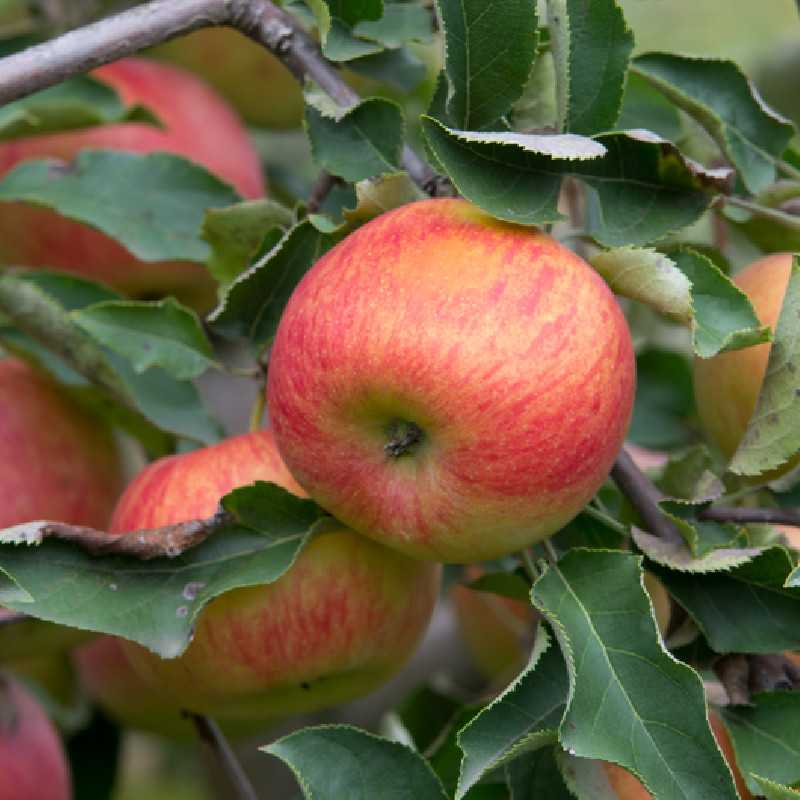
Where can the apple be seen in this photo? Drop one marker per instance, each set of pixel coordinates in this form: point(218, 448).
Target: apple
point(499, 631)
point(453, 386)
point(336, 625)
point(109, 679)
point(33, 765)
point(197, 125)
point(246, 74)
point(727, 386)
point(59, 462)
point(627, 787)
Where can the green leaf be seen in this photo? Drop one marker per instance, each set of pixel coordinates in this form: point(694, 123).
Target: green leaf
point(643, 106)
point(648, 276)
point(678, 556)
point(424, 714)
point(689, 475)
point(719, 96)
point(255, 301)
point(723, 317)
point(591, 45)
point(335, 19)
point(398, 68)
point(703, 537)
point(236, 234)
point(744, 610)
point(688, 287)
point(171, 405)
point(643, 189)
point(514, 179)
point(157, 603)
point(664, 400)
point(490, 46)
point(773, 432)
point(765, 738)
point(366, 140)
point(630, 702)
point(793, 580)
point(157, 217)
point(378, 195)
point(522, 719)
point(639, 191)
point(536, 776)
point(79, 102)
point(400, 23)
point(161, 333)
point(71, 291)
point(336, 761)
point(774, 791)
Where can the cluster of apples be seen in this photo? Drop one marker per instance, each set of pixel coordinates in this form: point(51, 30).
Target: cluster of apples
point(449, 387)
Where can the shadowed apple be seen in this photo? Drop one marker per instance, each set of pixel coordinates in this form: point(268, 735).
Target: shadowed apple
point(33, 765)
point(453, 386)
point(339, 623)
point(727, 386)
point(59, 462)
point(197, 124)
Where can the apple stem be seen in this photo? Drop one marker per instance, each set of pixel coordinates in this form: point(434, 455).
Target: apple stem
point(212, 737)
point(405, 438)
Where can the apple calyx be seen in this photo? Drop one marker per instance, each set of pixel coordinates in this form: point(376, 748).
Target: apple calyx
point(405, 438)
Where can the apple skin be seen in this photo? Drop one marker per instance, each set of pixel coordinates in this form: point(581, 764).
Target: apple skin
point(247, 75)
point(339, 623)
point(727, 386)
point(627, 787)
point(33, 765)
point(197, 125)
point(506, 351)
point(59, 463)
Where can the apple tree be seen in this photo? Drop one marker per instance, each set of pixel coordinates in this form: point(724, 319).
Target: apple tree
point(511, 303)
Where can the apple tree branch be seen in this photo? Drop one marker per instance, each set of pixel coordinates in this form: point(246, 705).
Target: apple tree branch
point(138, 28)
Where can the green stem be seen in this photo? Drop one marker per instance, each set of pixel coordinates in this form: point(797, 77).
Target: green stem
point(529, 564)
point(772, 214)
point(606, 519)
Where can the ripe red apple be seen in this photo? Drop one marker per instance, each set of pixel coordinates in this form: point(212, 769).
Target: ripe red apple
point(59, 462)
point(627, 787)
point(453, 386)
point(338, 624)
point(727, 385)
point(33, 765)
point(197, 125)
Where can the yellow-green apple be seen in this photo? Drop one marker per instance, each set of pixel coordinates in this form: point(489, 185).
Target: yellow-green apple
point(59, 462)
point(499, 631)
point(453, 386)
point(197, 124)
point(254, 81)
point(627, 787)
point(727, 386)
point(336, 625)
point(33, 765)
